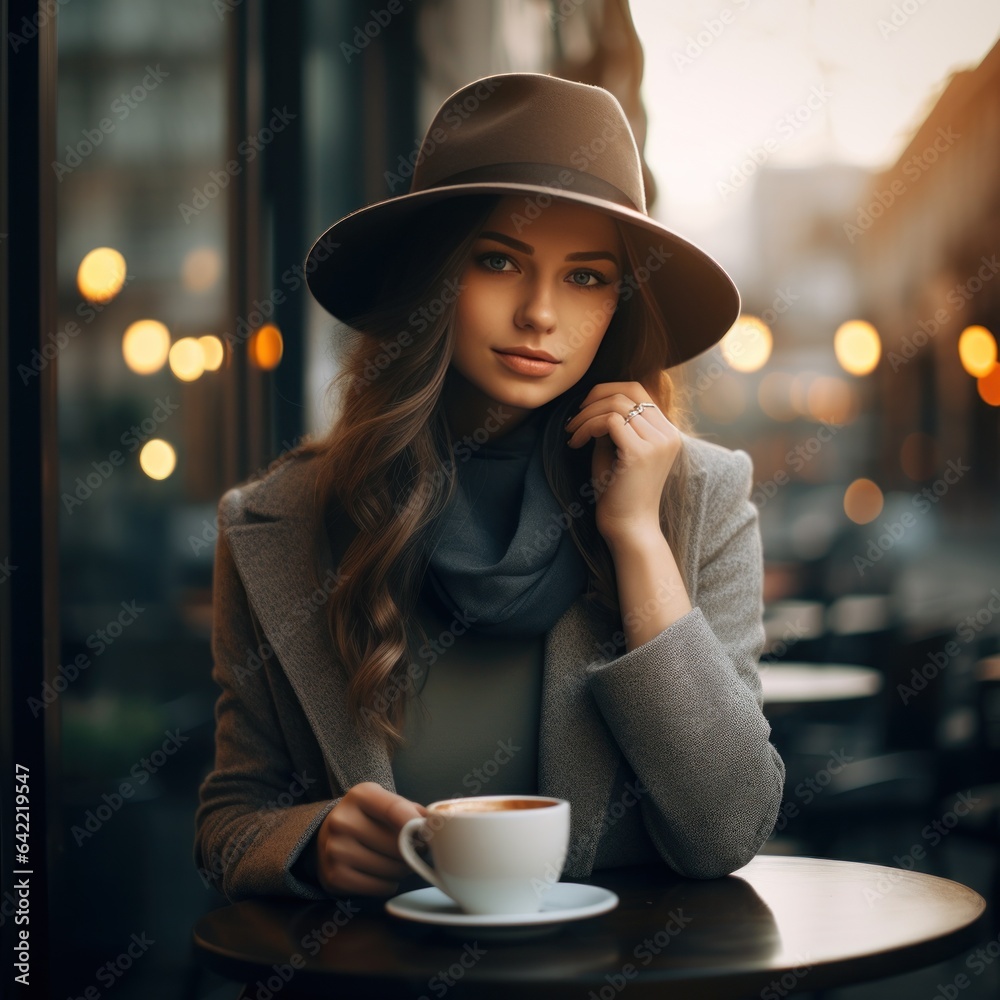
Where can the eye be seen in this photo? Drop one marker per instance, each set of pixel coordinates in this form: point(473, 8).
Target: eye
point(590, 279)
point(494, 261)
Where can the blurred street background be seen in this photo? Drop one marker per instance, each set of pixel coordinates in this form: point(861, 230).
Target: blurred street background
point(841, 158)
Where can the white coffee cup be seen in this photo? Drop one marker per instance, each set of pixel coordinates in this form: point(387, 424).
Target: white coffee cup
point(492, 853)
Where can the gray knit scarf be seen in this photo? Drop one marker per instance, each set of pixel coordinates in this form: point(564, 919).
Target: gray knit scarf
point(502, 556)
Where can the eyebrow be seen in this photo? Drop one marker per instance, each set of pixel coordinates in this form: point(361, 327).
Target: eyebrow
point(527, 249)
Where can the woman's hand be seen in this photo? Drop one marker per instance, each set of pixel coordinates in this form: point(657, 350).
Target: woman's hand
point(357, 849)
point(631, 461)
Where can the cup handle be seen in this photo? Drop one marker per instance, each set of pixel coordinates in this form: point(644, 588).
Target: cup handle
point(410, 855)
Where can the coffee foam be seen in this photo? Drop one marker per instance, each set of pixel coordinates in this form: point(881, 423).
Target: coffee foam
point(494, 805)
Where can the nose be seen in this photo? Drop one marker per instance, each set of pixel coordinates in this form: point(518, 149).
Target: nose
point(536, 310)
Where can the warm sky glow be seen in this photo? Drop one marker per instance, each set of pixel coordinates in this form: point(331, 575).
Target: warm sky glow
point(765, 64)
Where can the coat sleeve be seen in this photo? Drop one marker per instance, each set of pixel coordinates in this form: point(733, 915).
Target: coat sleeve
point(685, 707)
point(248, 840)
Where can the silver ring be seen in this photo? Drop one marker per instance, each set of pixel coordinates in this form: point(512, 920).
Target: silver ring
point(637, 409)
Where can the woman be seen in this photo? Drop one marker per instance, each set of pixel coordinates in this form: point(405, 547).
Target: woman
point(505, 568)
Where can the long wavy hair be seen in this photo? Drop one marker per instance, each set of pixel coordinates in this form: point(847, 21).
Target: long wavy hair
point(387, 462)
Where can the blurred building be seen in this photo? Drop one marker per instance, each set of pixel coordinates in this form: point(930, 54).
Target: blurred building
point(927, 237)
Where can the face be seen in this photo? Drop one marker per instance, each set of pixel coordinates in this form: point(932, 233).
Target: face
point(547, 290)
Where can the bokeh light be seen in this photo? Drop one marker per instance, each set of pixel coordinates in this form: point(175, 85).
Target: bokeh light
point(989, 387)
point(213, 351)
point(799, 395)
point(857, 347)
point(863, 501)
point(201, 268)
point(266, 347)
point(157, 458)
point(187, 359)
point(774, 395)
point(145, 346)
point(977, 350)
point(725, 401)
point(747, 345)
point(831, 400)
point(101, 275)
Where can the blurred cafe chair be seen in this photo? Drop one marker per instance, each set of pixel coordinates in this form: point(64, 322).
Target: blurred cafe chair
point(794, 629)
point(860, 629)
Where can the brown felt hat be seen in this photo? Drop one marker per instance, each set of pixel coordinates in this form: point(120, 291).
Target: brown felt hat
point(542, 137)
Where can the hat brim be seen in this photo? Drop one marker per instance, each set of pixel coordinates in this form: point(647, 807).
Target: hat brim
point(698, 300)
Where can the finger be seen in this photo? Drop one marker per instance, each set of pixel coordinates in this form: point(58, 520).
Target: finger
point(387, 808)
point(632, 390)
point(601, 408)
point(349, 826)
point(643, 427)
point(347, 880)
point(362, 859)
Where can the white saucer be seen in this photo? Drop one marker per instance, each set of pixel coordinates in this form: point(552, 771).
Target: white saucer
point(564, 901)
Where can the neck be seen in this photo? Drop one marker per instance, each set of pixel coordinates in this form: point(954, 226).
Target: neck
point(472, 414)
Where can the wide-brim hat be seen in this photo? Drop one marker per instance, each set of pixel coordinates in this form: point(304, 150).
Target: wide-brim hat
point(542, 137)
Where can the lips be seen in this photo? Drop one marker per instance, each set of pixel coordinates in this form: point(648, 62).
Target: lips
point(527, 352)
point(523, 365)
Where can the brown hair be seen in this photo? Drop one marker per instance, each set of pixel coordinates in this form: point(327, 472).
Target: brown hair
point(388, 463)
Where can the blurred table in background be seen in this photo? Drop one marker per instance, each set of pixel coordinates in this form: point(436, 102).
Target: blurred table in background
point(801, 683)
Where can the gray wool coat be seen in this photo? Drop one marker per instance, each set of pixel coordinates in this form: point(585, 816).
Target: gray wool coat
point(662, 751)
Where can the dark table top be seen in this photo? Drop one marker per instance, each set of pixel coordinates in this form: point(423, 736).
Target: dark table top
point(788, 923)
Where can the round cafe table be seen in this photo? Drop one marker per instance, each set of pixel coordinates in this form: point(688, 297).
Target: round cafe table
point(784, 924)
